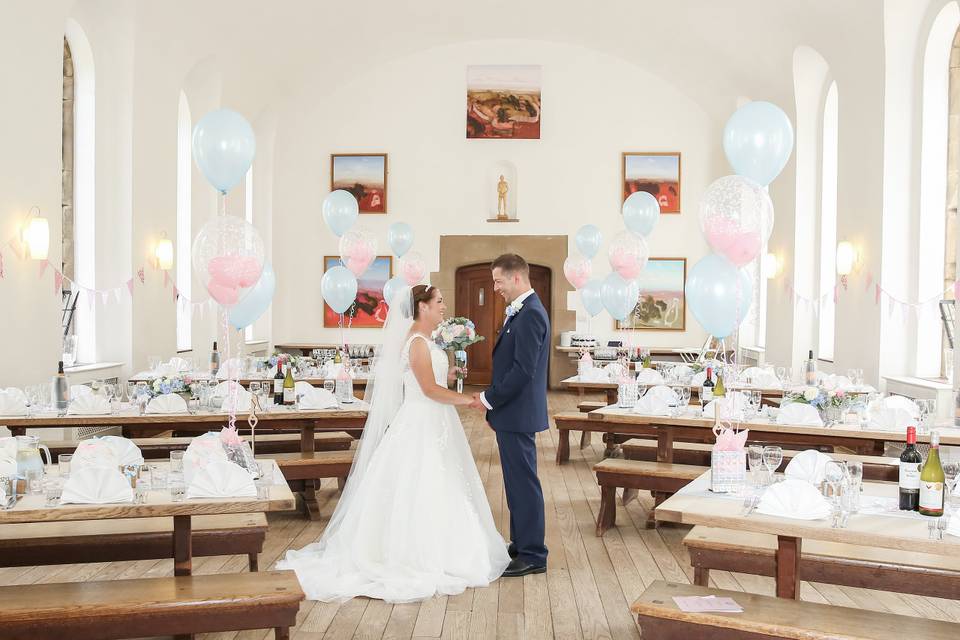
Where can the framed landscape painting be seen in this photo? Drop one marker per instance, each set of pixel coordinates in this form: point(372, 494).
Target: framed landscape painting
point(364, 175)
point(503, 101)
point(369, 310)
point(662, 305)
point(656, 173)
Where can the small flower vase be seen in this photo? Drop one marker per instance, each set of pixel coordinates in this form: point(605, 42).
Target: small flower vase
point(831, 414)
point(627, 394)
point(460, 361)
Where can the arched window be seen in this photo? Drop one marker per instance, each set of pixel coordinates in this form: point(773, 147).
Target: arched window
point(184, 222)
point(79, 128)
point(828, 224)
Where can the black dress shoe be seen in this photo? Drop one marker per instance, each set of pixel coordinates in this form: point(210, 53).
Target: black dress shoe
point(511, 551)
point(518, 567)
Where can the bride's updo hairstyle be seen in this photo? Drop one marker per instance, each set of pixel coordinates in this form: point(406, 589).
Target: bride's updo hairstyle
point(421, 293)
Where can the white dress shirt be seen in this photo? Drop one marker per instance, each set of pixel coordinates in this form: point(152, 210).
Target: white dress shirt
point(518, 301)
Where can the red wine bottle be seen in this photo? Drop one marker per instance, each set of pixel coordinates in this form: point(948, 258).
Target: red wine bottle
point(910, 461)
point(278, 386)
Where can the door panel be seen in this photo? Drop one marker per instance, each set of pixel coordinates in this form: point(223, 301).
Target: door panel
point(476, 300)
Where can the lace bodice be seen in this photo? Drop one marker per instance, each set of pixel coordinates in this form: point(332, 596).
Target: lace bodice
point(411, 388)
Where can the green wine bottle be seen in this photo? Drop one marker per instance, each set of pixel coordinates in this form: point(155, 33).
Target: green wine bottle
point(931, 480)
point(719, 391)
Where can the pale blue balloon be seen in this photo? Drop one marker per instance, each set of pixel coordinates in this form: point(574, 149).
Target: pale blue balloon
point(719, 295)
point(641, 212)
point(619, 295)
point(256, 301)
point(391, 287)
point(340, 211)
point(400, 238)
point(339, 288)
point(758, 141)
point(589, 240)
point(223, 146)
point(590, 296)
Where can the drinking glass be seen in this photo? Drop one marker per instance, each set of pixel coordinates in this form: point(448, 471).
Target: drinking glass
point(255, 388)
point(158, 477)
point(263, 482)
point(782, 375)
point(680, 407)
point(131, 390)
point(330, 385)
point(178, 488)
point(924, 409)
point(858, 377)
point(854, 474)
point(836, 482)
point(63, 464)
point(153, 362)
point(755, 461)
point(34, 479)
point(52, 489)
point(951, 471)
point(772, 457)
point(8, 497)
point(176, 462)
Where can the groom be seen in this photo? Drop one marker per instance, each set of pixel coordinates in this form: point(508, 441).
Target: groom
point(516, 406)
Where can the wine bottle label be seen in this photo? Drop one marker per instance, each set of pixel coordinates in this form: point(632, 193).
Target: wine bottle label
point(931, 495)
point(706, 394)
point(278, 386)
point(288, 396)
point(910, 475)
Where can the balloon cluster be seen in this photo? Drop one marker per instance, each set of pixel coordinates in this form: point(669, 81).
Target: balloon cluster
point(736, 216)
point(228, 253)
point(628, 253)
point(358, 250)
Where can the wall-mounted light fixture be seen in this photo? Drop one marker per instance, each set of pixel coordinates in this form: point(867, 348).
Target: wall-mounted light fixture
point(847, 261)
point(771, 266)
point(36, 237)
point(164, 253)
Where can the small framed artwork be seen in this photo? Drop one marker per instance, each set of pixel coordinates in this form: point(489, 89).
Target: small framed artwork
point(503, 101)
point(655, 172)
point(364, 175)
point(369, 310)
point(662, 305)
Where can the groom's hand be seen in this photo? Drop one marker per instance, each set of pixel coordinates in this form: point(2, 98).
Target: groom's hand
point(476, 404)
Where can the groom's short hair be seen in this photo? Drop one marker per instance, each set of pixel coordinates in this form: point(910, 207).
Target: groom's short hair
point(511, 263)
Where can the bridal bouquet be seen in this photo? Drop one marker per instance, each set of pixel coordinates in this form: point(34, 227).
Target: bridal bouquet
point(456, 334)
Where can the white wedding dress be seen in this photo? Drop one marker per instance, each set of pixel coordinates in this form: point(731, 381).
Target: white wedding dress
point(419, 523)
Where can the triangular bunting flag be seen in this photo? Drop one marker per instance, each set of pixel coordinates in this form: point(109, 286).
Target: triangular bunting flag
point(43, 268)
point(118, 294)
point(869, 282)
point(130, 286)
point(104, 296)
point(57, 282)
point(1, 264)
point(141, 275)
point(876, 295)
point(176, 294)
point(91, 299)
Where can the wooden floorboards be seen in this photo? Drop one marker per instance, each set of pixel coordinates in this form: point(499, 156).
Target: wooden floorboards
point(585, 593)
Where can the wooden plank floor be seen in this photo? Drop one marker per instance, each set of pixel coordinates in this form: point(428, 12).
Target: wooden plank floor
point(585, 593)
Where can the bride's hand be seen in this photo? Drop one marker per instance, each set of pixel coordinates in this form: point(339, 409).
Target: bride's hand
point(453, 371)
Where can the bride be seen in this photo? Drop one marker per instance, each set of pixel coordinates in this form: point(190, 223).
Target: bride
point(413, 520)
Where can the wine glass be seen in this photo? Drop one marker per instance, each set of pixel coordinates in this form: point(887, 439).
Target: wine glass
point(110, 391)
point(951, 473)
point(255, 388)
point(772, 457)
point(679, 406)
point(755, 460)
point(924, 408)
point(131, 390)
point(782, 375)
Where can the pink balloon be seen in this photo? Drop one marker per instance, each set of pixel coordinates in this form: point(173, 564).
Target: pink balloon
point(628, 255)
point(358, 250)
point(224, 294)
point(234, 271)
point(726, 238)
point(577, 270)
point(360, 260)
point(412, 268)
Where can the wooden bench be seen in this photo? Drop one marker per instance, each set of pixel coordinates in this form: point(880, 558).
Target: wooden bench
point(151, 607)
point(698, 453)
point(660, 478)
point(303, 472)
point(765, 617)
point(49, 543)
point(586, 407)
point(160, 447)
point(829, 562)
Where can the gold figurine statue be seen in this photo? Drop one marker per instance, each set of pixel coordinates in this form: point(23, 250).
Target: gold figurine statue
point(502, 189)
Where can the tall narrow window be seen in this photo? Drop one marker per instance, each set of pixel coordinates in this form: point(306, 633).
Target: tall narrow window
point(828, 224)
point(248, 212)
point(84, 219)
point(184, 224)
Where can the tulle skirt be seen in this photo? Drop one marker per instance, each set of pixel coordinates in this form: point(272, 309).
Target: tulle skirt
point(419, 524)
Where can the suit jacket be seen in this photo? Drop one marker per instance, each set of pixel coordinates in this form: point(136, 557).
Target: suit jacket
point(518, 394)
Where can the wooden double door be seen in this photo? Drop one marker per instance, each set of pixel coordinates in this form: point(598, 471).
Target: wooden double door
point(477, 300)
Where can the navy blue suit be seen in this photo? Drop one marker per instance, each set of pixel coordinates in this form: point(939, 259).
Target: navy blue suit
point(518, 398)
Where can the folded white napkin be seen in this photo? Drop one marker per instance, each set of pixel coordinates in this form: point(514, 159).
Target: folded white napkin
point(615, 371)
point(94, 453)
point(759, 377)
point(663, 393)
point(887, 419)
point(314, 397)
point(11, 404)
point(731, 406)
point(594, 374)
point(794, 498)
point(165, 370)
point(900, 402)
point(698, 379)
point(8, 465)
point(953, 527)
point(221, 480)
point(652, 406)
point(16, 393)
point(8, 447)
point(224, 388)
point(80, 390)
point(126, 451)
point(201, 451)
point(89, 405)
point(167, 403)
point(808, 466)
point(750, 373)
point(833, 381)
point(232, 368)
point(96, 485)
point(239, 401)
point(180, 365)
point(800, 414)
point(649, 376)
point(682, 371)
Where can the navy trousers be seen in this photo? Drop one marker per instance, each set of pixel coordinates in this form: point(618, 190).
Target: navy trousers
point(518, 458)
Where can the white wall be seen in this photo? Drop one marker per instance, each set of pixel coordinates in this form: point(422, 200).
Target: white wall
point(594, 107)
